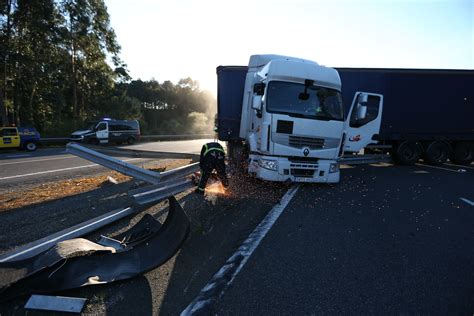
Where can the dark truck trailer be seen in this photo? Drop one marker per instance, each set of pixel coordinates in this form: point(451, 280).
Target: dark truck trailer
point(230, 93)
point(427, 113)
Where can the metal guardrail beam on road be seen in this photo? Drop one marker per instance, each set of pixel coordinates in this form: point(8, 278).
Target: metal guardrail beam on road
point(113, 163)
point(123, 152)
point(40, 245)
point(159, 193)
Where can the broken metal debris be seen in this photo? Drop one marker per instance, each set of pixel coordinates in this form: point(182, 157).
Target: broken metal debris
point(56, 303)
point(79, 262)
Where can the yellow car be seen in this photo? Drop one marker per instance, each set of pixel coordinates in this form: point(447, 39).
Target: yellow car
point(19, 137)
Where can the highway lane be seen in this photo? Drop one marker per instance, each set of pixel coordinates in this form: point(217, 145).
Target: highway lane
point(55, 164)
point(385, 240)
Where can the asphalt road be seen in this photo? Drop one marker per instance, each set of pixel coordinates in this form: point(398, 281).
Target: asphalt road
point(20, 168)
point(386, 240)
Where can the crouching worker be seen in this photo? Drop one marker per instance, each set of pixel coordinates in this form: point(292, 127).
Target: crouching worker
point(212, 158)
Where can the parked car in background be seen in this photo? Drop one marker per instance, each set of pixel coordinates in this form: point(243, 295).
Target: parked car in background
point(108, 131)
point(19, 137)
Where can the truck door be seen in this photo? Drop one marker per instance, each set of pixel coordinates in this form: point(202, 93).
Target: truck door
point(364, 121)
point(102, 132)
point(9, 138)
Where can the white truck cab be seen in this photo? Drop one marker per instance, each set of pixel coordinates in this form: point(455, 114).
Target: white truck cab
point(292, 122)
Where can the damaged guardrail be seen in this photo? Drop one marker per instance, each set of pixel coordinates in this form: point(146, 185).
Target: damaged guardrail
point(80, 262)
point(129, 169)
point(155, 194)
point(133, 153)
point(113, 163)
point(32, 249)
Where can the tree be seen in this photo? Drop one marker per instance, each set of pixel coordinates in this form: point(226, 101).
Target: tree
point(89, 38)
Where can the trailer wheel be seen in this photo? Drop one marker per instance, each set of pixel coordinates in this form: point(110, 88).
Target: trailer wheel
point(407, 153)
point(437, 153)
point(463, 153)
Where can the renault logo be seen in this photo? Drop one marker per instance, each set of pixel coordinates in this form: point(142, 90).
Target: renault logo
point(306, 151)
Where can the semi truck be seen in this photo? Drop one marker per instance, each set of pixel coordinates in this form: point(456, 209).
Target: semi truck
point(283, 119)
point(428, 113)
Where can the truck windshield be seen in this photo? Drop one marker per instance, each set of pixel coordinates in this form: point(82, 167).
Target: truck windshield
point(321, 103)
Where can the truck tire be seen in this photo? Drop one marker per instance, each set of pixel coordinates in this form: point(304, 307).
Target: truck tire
point(31, 146)
point(463, 153)
point(407, 152)
point(437, 152)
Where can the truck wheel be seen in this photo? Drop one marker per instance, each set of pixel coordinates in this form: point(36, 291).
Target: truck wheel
point(437, 153)
point(407, 153)
point(131, 141)
point(31, 146)
point(463, 153)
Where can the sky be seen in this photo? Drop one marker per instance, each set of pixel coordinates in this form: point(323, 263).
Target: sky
point(170, 40)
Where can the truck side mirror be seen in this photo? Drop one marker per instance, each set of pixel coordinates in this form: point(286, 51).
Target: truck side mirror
point(259, 88)
point(361, 112)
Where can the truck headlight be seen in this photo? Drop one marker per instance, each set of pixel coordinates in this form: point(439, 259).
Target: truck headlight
point(333, 167)
point(268, 164)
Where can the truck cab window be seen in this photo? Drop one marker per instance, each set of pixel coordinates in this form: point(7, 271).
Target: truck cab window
point(319, 103)
point(372, 112)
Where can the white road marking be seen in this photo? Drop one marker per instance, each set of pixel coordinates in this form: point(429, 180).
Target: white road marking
point(436, 167)
point(226, 275)
point(36, 160)
point(467, 201)
point(57, 170)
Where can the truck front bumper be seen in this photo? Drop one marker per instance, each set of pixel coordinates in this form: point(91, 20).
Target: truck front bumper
point(281, 169)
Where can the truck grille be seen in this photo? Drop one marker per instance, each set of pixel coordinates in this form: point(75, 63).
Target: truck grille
point(311, 143)
point(302, 172)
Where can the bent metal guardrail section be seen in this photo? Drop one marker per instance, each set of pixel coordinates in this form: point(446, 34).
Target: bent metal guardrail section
point(165, 184)
point(113, 163)
point(71, 263)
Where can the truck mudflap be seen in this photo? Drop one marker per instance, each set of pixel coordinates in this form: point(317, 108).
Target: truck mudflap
point(79, 262)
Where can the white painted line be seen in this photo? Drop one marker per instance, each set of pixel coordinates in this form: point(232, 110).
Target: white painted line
point(226, 275)
point(37, 160)
point(57, 170)
point(58, 238)
point(436, 167)
point(460, 166)
point(467, 201)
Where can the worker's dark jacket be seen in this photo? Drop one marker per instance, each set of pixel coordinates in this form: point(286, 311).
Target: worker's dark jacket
point(212, 158)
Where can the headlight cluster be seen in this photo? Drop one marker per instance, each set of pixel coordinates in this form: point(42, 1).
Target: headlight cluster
point(333, 167)
point(268, 164)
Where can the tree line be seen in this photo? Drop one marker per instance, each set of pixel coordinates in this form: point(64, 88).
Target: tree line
point(60, 67)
